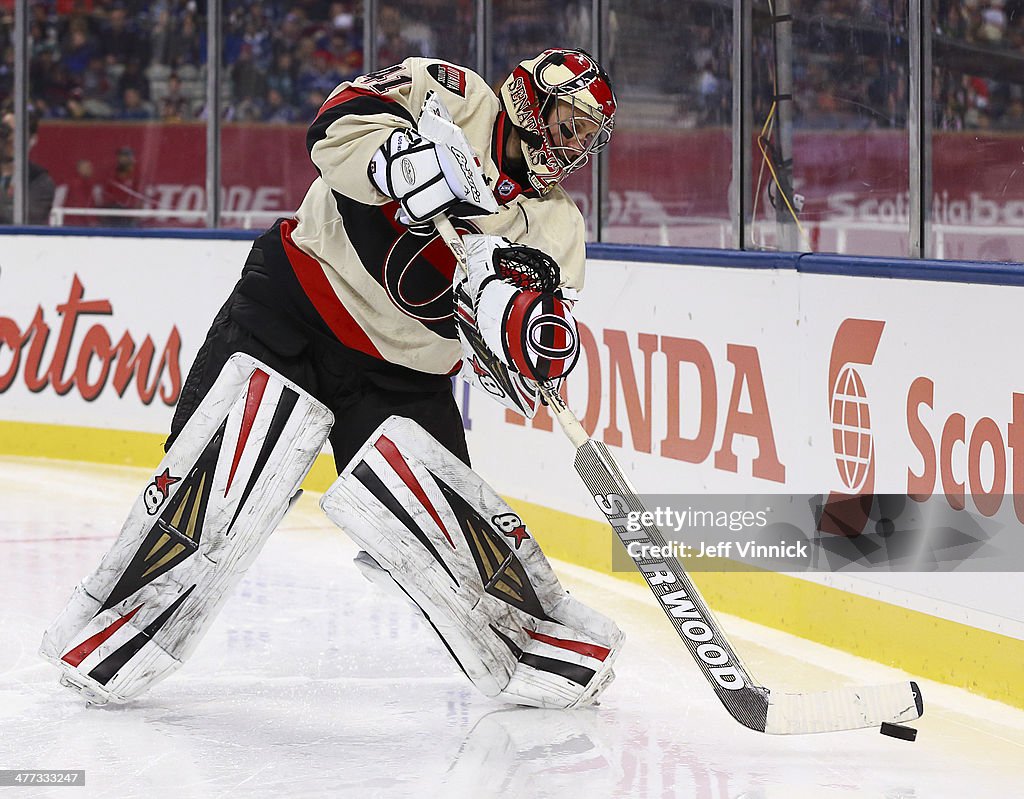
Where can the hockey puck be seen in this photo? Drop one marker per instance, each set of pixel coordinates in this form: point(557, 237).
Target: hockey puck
point(898, 731)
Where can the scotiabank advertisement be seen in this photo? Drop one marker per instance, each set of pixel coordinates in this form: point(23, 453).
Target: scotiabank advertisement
point(700, 380)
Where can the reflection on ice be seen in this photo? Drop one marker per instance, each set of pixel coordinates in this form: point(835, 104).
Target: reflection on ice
point(531, 752)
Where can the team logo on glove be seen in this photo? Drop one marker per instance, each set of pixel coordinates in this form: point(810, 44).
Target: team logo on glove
point(539, 331)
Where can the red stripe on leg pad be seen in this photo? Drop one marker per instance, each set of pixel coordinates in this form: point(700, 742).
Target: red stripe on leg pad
point(580, 648)
point(386, 447)
point(75, 656)
point(257, 385)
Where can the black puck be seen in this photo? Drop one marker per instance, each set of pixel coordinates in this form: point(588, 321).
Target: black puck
point(898, 731)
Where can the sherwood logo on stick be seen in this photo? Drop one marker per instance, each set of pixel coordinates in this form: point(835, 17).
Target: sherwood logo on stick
point(678, 604)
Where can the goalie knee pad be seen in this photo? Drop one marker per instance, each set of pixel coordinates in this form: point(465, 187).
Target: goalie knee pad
point(221, 489)
point(436, 532)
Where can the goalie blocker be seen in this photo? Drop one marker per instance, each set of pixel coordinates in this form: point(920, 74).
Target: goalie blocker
point(434, 531)
point(221, 489)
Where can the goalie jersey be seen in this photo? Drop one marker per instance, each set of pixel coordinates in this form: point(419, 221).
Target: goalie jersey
point(384, 289)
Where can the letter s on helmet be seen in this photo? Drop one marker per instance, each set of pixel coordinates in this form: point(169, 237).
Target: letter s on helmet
point(534, 88)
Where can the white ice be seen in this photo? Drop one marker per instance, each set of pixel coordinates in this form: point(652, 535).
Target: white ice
point(313, 683)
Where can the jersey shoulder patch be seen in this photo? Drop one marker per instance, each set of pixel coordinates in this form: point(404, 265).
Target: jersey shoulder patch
point(451, 77)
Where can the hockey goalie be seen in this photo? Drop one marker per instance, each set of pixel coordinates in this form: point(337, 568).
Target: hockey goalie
point(346, 325)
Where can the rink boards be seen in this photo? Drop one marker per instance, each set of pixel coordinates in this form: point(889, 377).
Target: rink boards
point(705, 372)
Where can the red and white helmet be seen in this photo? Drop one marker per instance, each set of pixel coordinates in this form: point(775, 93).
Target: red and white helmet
point(562, 105)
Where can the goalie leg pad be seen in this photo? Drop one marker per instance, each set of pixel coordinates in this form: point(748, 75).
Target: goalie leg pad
point(221, 489)
point(452, 546)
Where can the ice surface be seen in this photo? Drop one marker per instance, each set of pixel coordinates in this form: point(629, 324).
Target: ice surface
point(313, 683)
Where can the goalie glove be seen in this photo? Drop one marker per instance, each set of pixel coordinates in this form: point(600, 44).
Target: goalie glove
point(519, 311)
point(482, 369)
point(425, 179)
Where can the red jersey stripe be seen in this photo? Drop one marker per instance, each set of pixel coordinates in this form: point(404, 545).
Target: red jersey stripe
point(318, 288)
point(348, 94)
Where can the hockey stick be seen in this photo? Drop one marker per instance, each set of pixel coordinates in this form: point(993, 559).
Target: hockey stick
point(751, 704)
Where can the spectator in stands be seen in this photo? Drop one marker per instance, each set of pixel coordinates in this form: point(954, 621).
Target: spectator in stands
point(347, 60)
point(121, 40)
point(74, 108)
point(288, 34)
point(319, 75)
point(188, 45)
point(175, 105)
point(161, 37)
point(257, 37)
point(78, 47)
point(133, 77)
point(391, 46)
point(84, 191)
point(311, 102)
point(41, 189)
point(98, 91)
point(123, 189)
point(42, 31)
point(344, 20)
point(57, 90)
point(275, 109)
point(283, 76)
point(133, 106)
point(248, 82)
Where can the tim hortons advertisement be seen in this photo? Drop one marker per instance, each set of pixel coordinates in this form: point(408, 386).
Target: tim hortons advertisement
point(100, 332)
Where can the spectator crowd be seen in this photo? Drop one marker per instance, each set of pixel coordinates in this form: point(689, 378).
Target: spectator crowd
point(857, 68)
point(133, 60)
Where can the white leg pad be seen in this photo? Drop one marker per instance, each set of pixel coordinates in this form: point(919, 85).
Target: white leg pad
point(221, 489)
point(444, 538)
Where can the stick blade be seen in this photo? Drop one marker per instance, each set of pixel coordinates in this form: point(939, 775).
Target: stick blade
point(850, 708)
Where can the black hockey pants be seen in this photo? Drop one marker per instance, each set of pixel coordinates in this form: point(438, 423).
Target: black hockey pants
point(267, 316)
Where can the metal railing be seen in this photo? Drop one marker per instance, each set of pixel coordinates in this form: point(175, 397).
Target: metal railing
point(247, 220)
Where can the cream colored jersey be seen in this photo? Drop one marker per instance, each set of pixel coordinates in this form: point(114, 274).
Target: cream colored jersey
point(382, 288)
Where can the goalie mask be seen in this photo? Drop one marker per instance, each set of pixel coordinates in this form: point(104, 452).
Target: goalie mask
point(562, 105)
